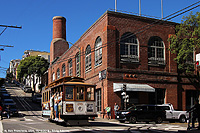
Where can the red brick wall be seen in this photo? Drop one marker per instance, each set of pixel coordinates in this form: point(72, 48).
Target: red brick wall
point(110, 27)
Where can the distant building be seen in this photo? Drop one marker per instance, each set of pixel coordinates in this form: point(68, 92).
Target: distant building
point(38, 80)
point(13, 67)
point(43, 54)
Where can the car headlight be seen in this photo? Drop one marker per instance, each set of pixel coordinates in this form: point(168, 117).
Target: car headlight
point(125, 113)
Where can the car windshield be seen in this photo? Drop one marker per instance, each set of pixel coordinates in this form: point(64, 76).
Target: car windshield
point(132, 108)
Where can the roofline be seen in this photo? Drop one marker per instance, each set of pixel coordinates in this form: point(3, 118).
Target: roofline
point(115, 13)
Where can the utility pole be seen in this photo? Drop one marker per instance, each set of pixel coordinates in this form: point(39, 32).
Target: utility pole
point(10, 26)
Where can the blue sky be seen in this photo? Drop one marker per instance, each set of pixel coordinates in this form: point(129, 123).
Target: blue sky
point(35, 17)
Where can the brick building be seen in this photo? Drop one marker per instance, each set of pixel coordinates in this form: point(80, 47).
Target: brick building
point(122, 50)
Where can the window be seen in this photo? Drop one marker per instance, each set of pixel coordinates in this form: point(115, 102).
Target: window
point(63, 70)
point(98, 51)
point(53, 76)
point(80, 93)
point(156, 51)
point(69, 93)
point(70, 67)
point(78, 65)
point(58, 73)
point(98, 99)
point(90, 93)
point(88, 58)
point(129, 48)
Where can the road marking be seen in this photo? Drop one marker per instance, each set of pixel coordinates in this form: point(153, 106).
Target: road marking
point(1, 127)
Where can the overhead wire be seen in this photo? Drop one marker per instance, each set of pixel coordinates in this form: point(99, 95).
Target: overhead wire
point(138, 31)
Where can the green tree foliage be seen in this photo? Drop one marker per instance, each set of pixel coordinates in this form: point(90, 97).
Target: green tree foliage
point(186, 41)
point(32, 65)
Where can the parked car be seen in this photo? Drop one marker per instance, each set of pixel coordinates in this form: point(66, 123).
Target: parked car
point(27, 89)
point(173, 115)
point(145, 113)
point(13, 109)
point(8, 101)
point(5, 96)
point(37, 98)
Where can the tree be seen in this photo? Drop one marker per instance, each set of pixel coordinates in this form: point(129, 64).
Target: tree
point(186, 41)
point(32, 66)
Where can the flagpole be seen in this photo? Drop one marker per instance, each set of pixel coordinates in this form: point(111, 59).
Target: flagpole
point(162, 8)
point(115, 5)
point(139, 7)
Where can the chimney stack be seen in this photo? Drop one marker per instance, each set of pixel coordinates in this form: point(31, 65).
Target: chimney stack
point(59, 27)
point(59, 45)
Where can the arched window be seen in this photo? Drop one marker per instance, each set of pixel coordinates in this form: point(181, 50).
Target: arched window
point(53, 76)
point(88, 58)
point(98, 51)
point(58, 73)
point(77, 65)
point(70, 67)
point(156, 51)
point(129, 51)
point(63, 70)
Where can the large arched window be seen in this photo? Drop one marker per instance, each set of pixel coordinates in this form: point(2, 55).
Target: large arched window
point(53, 76)
point(63, 70)
point(129, 51)
point(156, 51)
point(78, 65)
point(70, 67)
point(58, 73)
point(98, 51)
point(88, 58)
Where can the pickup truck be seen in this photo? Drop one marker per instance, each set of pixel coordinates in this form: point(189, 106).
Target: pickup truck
point(173, 115)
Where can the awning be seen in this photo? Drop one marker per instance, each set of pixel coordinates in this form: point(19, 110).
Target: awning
point(133, 87)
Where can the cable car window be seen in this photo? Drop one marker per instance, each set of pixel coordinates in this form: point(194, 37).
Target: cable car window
point(69, 93)
point(80, 93)
point(90, 93)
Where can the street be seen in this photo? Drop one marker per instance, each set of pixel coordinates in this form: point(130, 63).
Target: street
point(30, 120)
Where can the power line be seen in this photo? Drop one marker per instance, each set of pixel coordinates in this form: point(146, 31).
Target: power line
point(138, 31)
point(10, 26)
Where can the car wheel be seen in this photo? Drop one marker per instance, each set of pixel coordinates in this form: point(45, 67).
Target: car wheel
point(132, 119)
point(159, 120)
point(182, 119)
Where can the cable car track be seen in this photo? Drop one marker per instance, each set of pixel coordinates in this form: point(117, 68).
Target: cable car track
point(20, 97)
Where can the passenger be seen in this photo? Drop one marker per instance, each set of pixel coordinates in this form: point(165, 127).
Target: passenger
point(60, 105)
point(108, 110)
point(196, 113)
point(116, 108)
point(1, 112)
point(52, 116)
point(56, 106)
point(8, 111)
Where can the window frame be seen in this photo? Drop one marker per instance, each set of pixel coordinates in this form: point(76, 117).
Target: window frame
point(63, 70)
point(98, 51)
point(70, 67)
point(153, 51)
point(77, 64)
point(129, 48)
point(58, 73)
point(88, 63)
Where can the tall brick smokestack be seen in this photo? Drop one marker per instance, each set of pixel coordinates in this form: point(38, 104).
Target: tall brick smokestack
point(59, 44)
point(59, 27)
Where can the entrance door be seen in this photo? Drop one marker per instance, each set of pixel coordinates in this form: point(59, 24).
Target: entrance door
point(191, 95)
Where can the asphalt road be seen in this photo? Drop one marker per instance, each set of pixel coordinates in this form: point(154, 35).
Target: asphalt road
point(30, 120)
